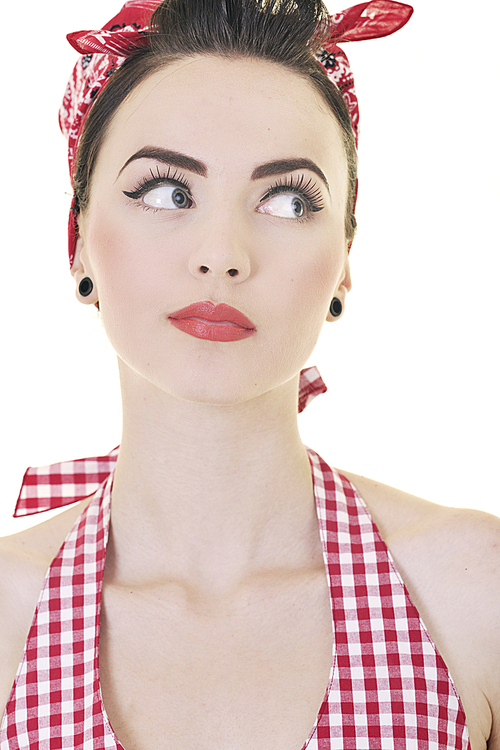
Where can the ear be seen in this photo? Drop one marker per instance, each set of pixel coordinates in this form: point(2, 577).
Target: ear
point(341, 291)
point(81, 270)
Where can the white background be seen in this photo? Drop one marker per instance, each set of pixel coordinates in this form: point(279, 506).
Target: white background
point(412, 368)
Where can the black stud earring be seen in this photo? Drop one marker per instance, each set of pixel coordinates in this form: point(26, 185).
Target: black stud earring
point(336, 307)
point(85, 287)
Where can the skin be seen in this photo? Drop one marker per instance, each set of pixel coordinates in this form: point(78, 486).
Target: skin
point(211, 466)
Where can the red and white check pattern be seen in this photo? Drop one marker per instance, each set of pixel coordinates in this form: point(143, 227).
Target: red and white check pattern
point(389, 689)
point(56, 699)
point(57, 485)
point(311, 384)
point(54, 486)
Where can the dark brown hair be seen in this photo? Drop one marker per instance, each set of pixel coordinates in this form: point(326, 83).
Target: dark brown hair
point(286, 32)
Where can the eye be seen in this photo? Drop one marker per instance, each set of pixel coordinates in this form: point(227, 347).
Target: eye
point(162, 191)
point(166, 196)
point(284, 205)
point(293, 197)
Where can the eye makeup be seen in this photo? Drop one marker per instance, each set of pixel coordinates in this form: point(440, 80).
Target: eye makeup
point(305, 188)
point(308, 191)
point(172, 177)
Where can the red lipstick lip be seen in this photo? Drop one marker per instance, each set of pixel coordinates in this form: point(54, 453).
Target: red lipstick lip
point(211, 313)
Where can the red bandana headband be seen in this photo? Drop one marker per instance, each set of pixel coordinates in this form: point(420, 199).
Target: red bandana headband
point(105, 50)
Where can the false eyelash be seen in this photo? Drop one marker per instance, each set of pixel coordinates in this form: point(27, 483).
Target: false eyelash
point(148, 183)
point(310, 193)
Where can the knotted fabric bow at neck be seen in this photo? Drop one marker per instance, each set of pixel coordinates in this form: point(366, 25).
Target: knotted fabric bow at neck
point(105, 50)
point(57, 485)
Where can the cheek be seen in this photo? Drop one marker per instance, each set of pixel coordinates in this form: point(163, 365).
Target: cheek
point(309, 283)
point(128, 285)
point(317, 279)
point(127, 265)
point(110, 244)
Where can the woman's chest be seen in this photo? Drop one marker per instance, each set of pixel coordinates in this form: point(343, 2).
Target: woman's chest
point(245, 676)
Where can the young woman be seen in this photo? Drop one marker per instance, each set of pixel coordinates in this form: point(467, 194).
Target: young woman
point(243, 594)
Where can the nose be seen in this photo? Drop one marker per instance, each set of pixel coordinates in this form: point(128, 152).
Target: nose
point(221, 254)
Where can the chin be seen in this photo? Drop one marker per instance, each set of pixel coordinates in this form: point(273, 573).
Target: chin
point(216, 392)
point(213, 379)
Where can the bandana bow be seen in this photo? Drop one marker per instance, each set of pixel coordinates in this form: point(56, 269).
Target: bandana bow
point(54, 486)
point(105, 50)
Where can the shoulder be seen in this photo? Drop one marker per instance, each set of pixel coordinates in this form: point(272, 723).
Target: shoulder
point(37, 546)
point(24, 560)
point(449, 560)
point(26, 556)
point(459, 537)
point(456, 551)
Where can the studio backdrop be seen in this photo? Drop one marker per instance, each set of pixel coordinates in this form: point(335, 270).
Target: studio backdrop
point(412, 368)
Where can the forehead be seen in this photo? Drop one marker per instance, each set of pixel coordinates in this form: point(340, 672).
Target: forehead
point(228, 113)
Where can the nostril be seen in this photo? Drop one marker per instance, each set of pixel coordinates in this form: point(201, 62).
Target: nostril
point(231, 271)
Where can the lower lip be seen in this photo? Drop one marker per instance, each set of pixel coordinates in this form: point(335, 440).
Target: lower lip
point(203, 329)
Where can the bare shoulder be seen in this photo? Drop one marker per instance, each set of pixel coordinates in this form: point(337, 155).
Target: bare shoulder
point(28, 554)
point(24, 560)
point(463, 545)
point(449, 560)
point(399, 514)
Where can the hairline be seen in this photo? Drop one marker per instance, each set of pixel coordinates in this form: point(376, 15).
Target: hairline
point(159, 62)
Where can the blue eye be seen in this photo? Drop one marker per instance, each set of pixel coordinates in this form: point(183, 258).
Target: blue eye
point(284, 205)
point(167, 197)
point(292, 198)
point(162, 191)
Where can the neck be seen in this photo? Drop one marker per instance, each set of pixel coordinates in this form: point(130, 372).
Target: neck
point(200, 485)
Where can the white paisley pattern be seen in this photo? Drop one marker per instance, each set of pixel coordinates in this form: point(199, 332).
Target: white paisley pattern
point(103, 51)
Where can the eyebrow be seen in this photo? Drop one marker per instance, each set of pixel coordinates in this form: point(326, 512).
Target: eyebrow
point(172, 158)
point(189, 163)
point(281, 166)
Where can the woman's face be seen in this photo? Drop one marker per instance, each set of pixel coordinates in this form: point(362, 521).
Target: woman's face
point(219, 181)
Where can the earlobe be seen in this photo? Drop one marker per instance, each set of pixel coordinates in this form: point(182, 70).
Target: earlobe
point(346, 282)
point(337, 304)
point(336, 307)
point(77, 264)
point(86, 291)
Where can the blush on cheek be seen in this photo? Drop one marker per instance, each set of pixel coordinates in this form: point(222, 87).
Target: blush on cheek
point(117, 255)
point(318, 280)
point(105, 238)
point(133, 285)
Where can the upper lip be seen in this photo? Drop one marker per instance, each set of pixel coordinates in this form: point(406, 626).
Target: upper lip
point(213, 313)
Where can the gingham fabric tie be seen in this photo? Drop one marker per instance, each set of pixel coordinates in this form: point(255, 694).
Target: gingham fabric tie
point(388, 688)
point(54, 486)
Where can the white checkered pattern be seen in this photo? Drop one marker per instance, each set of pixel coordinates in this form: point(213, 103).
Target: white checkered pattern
point(389, 689)
point(50, 487)
point(310, 385)
point(56, 699)
point(54, 486)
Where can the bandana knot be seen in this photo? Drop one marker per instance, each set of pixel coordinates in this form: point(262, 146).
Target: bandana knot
point(49, 487)
point(103, 51)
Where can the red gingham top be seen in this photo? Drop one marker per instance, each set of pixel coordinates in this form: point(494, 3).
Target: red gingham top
point(388, 686)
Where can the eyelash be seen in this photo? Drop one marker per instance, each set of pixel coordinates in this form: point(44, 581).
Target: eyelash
point(309, 192)
point(149, 183)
